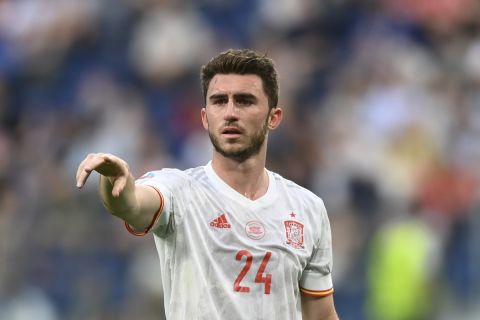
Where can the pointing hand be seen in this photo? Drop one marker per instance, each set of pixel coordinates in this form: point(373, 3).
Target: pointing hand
point(111, 167)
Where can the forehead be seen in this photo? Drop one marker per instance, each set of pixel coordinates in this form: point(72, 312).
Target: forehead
point(235, 83)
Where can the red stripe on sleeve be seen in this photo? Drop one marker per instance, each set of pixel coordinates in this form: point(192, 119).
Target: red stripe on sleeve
point(317, 293)
point(154, 219)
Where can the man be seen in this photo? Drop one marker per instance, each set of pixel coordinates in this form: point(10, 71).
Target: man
point(235, 240)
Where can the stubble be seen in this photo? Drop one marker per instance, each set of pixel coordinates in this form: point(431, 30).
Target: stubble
point(252, 147)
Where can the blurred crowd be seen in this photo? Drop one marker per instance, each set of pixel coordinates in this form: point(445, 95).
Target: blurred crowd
point(382, 103)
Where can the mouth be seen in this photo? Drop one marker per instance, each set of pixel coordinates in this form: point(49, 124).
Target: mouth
point(231, 132)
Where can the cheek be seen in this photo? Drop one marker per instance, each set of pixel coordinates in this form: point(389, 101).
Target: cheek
point(263, 120)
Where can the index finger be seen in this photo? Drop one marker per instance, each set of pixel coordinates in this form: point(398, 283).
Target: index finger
point(90, 163)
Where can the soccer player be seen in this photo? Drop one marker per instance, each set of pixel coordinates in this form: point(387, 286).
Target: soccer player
point(235, 240)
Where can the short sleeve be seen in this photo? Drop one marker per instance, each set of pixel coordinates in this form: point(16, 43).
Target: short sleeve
point(316, 278)
point(170, 183)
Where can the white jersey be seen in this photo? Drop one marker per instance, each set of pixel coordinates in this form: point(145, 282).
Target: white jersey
point(224, 256)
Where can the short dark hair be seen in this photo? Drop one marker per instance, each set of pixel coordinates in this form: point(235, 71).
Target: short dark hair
point(243, 61)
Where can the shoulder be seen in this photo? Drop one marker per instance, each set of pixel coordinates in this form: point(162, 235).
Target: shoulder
point(173, 175)
point(298, 192)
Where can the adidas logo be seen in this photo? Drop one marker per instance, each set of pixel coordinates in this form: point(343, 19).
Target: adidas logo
point(220, 222)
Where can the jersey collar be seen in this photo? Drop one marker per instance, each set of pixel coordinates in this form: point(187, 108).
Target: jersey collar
point(224, 188)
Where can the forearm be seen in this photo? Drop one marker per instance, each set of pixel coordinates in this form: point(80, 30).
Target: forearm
point(136, 204)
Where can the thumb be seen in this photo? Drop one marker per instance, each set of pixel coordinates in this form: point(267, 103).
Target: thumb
point(118, 186)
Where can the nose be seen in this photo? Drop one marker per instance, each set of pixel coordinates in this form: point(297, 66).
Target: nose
point(231, 111)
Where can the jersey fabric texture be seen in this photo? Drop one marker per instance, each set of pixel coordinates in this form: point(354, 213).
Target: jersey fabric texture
point(224, 256)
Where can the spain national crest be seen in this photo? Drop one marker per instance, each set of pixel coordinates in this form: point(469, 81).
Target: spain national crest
point(294, 233)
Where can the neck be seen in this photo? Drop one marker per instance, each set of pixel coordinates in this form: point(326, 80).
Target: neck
point(247, 177)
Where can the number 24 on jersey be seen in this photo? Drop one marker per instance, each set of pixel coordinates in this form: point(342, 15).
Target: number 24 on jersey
point(260, 277)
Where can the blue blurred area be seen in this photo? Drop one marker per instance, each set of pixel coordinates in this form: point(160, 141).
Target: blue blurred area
point(382, 102)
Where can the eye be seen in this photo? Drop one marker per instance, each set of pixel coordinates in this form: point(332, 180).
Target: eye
point(220, 101)
point(244, 101)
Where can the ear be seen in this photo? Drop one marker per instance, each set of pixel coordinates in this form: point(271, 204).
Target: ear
point(275, 118)
point(203, 114)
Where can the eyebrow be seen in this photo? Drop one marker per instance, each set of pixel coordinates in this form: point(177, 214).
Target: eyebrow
point(247, 96)
point(217, 96)
point(241, 95)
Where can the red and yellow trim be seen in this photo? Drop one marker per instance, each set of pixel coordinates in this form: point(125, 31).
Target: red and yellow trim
point(317, 293)
point(154, 219)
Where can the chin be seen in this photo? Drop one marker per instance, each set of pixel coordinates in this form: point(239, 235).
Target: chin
point(237, 150)
point(232, 152)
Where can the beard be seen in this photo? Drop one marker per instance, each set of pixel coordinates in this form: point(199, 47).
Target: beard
point(253, 145)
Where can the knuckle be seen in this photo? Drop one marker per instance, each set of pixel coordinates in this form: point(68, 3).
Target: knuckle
point(92, 156)
point(125, 166)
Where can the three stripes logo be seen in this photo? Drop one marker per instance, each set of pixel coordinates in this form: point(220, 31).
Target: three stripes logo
point(221, 222)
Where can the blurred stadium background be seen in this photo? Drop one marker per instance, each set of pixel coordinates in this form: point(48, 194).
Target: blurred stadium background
point(382, 104)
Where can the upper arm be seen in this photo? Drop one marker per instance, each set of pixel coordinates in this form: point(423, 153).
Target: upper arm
point(150, 200)
point(158, 192)
point(316, 282)
point(318, 308)
point(150, 204)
